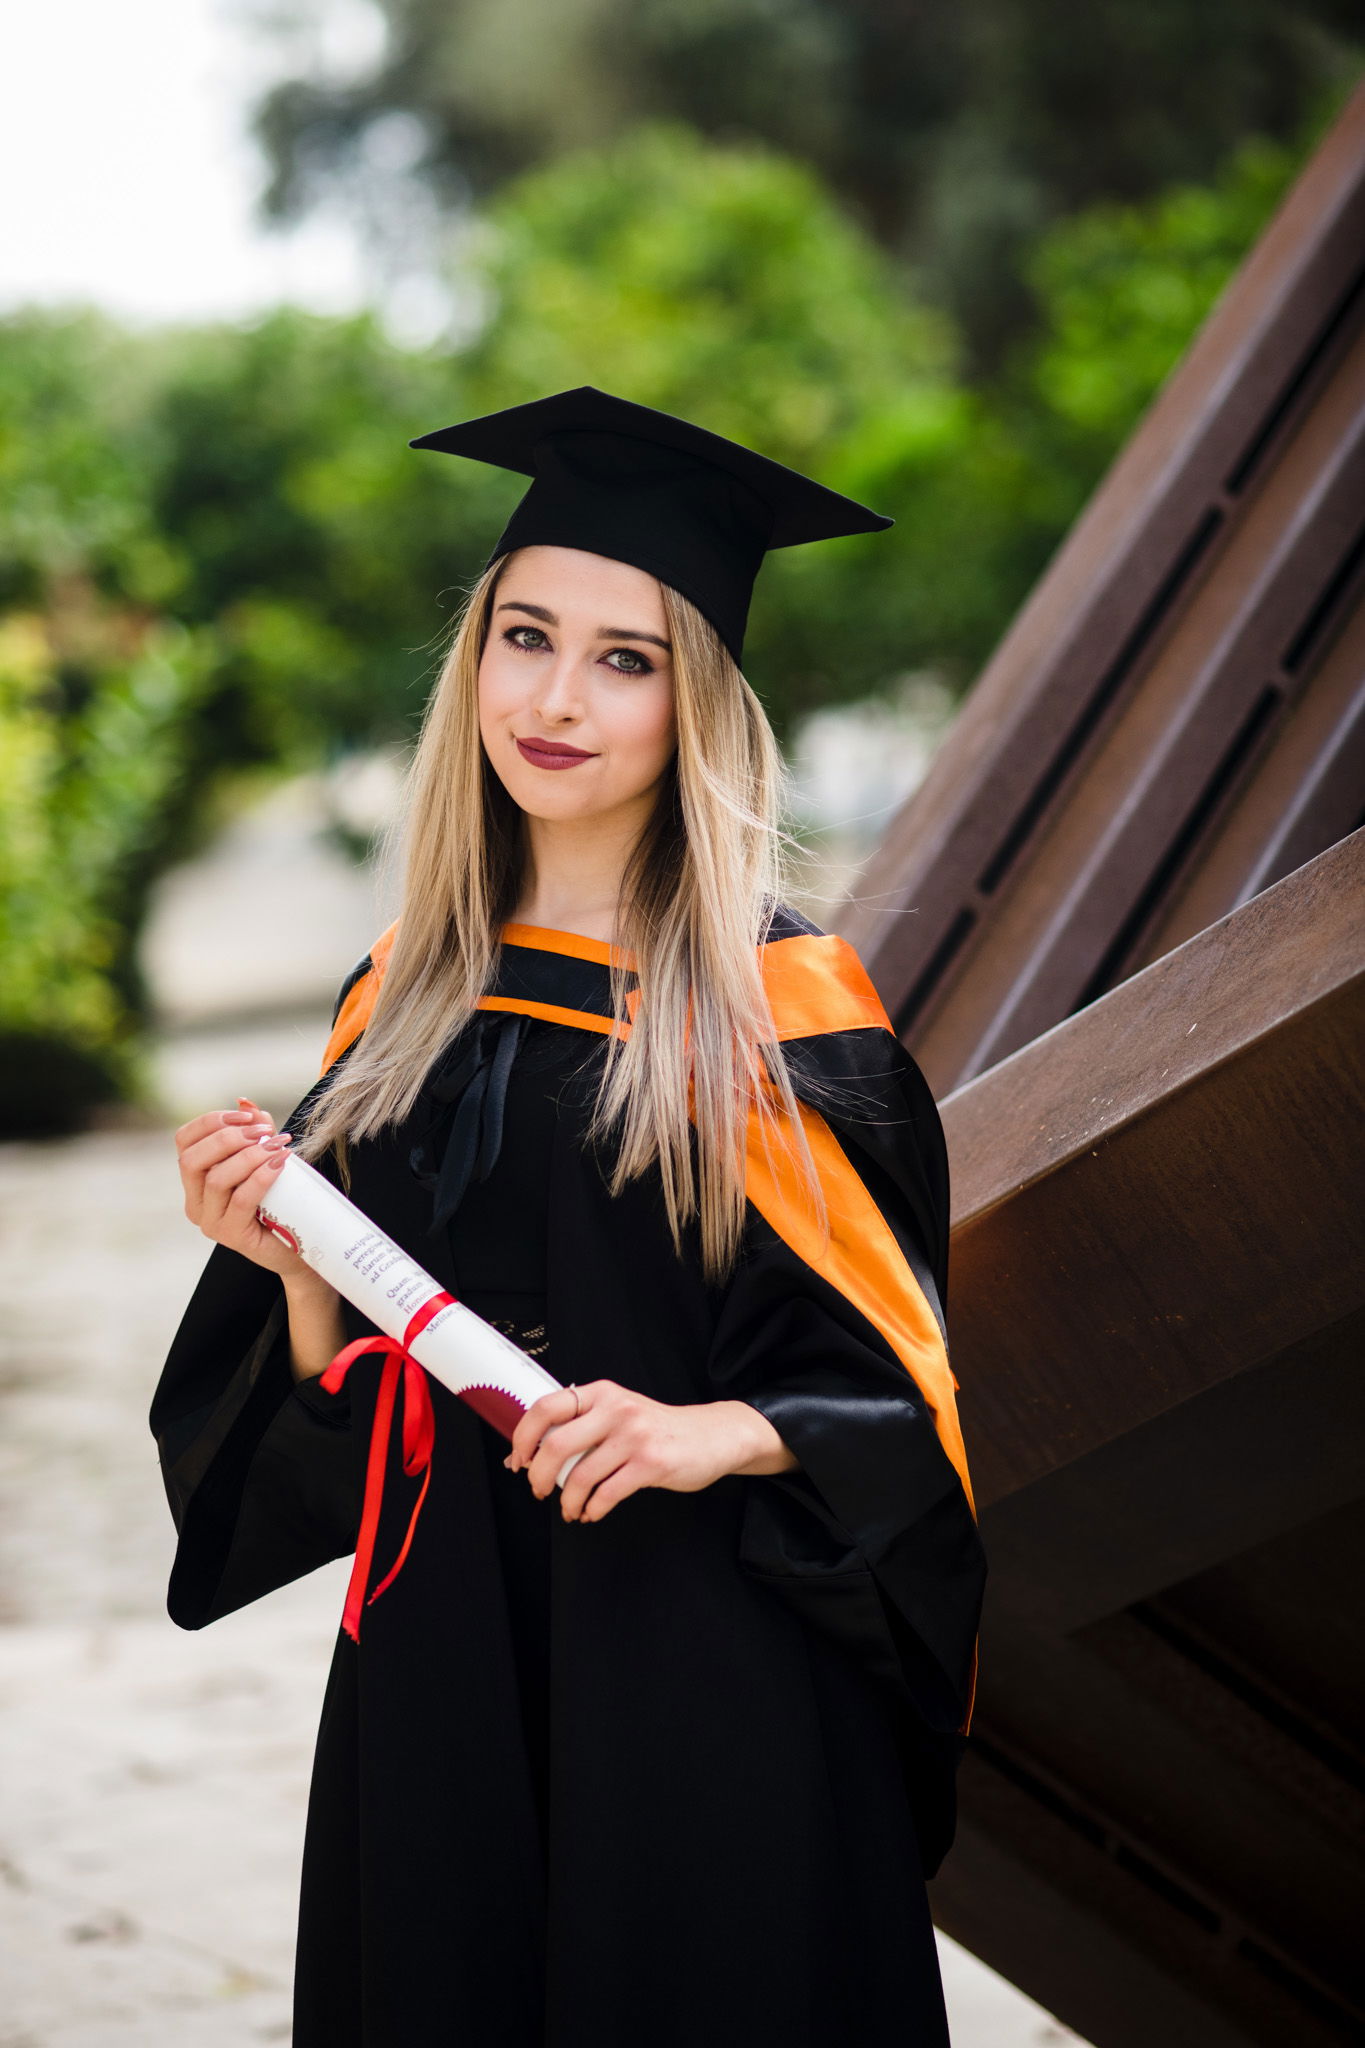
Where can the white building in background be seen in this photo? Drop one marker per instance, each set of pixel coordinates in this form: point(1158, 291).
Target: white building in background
point(853, 766)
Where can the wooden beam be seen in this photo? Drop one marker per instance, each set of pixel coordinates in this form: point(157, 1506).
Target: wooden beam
point(1167, 1189)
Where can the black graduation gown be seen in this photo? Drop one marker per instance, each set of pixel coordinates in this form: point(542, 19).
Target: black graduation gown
point(676, 1775)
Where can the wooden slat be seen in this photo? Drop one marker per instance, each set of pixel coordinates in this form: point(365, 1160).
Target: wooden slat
point(1306, 793)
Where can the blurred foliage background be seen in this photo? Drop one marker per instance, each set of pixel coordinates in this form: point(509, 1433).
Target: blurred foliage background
point(941, 258)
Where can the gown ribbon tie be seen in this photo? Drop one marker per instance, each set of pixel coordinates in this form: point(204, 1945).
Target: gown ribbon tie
point(476, 1082)
point(419, 1437)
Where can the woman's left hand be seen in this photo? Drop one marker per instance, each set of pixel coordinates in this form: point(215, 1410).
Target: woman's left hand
point(629, 1441)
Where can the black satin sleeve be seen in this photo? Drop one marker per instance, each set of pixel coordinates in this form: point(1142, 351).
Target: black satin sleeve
point(260, 1472)
point(872, 1537)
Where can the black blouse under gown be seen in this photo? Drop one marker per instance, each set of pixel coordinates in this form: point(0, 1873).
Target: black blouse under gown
point(576, 1784)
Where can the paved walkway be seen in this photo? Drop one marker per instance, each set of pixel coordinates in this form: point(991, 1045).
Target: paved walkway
point(154, 1781)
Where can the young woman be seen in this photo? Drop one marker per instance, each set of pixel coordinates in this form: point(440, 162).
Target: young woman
point(666, 1755)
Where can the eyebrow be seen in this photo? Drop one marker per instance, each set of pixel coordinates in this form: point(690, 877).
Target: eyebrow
point(538, 611)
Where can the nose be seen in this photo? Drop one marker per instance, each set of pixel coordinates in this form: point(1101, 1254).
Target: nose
point(558, 694)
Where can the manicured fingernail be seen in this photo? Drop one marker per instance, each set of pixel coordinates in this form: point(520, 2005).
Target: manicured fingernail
point(238, 1116)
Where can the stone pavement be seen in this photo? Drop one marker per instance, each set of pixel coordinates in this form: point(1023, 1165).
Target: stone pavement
point(154, 1782)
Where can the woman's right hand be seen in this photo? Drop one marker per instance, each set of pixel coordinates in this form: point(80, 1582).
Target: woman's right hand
point(228, 1162)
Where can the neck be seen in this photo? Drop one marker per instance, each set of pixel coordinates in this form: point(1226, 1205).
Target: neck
point(574, 869)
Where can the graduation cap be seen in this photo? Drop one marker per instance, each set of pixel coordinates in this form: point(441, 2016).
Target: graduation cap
point(640, 486)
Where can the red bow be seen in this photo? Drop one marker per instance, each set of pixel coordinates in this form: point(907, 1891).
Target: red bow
point(419, 1436)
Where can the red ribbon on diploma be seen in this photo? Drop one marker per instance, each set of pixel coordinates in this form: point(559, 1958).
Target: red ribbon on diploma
point(419, 1437)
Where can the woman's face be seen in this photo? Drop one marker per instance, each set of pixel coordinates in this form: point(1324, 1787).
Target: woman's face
point(576, 685)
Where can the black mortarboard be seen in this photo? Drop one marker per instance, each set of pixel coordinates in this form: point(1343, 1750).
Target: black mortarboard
point(640, 486)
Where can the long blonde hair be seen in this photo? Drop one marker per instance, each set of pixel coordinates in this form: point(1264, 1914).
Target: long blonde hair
point(696, 900)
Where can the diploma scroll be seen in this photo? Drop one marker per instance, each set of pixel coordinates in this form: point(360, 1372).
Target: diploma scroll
point(385, 1283)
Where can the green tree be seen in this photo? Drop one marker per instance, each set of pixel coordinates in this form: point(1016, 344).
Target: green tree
point(215, 552)
point(1124, 288)
point(83, 791)
point(76, 457)
point(956, 135)
point(315, 542)
point(722, 281)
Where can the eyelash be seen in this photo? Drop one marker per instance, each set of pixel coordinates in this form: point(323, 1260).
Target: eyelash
point(646, 667)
